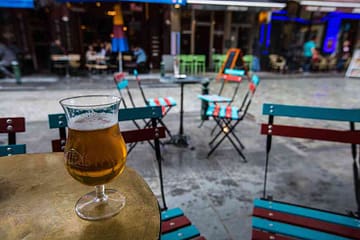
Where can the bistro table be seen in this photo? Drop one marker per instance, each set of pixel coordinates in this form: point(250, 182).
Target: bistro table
point(63, 60)
point(181, 139)
point(38, 196)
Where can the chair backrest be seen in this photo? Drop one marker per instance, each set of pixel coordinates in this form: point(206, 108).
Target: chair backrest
point(138, 81)
point(234, 76)
point(252, 86)
point(122, 85)
point(58, 121)
point(11, 126)
point(350, 136)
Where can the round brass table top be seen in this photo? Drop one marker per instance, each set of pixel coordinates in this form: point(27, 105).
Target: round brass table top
point(37, 199)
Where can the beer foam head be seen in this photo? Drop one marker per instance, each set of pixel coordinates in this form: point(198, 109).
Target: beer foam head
point(88, 121)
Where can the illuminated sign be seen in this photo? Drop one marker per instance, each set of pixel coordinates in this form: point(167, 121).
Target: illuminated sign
point(180, 2)
point(17, 3)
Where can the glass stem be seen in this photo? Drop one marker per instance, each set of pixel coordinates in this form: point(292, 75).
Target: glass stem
point(100, 193)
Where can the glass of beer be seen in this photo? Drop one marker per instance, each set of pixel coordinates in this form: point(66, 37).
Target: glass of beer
point(95, 152)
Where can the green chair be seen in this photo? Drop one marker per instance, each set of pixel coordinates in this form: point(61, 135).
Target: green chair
point(199, 64)
point(11, 126)
point(218, 60)
point(248, 59)
point(186, 64)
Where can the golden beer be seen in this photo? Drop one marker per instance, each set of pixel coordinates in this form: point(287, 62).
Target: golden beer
point(94, 157)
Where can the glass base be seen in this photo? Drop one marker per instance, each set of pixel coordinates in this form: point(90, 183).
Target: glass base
point(90, 207)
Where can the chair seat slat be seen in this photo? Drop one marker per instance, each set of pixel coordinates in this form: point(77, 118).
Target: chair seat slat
point(262, 235)
point(306, 222)
point(181, 234)
point(333, 114)
point(292, 231)
point(308, 212)
point(161, 101)
point(171, 213)
point(174, 224)
point(345, 136)
point(214, 98)
point(228, 112)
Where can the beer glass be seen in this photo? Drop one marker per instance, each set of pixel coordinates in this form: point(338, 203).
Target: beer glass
point(95, 152)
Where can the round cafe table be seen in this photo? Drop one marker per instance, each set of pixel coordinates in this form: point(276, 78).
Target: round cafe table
point(37, 199)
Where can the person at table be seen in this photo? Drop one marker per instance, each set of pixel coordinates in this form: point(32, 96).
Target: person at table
point(141, 59)
point(6, 57)
point(56, 48)
point(90, 54)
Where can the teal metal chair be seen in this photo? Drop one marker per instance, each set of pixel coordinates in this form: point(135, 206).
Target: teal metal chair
point(282, 220)
point(230, 80)
point(11, 126)
point(166, 103)
point(122, 85)
point(174, 224)
point(227, 117)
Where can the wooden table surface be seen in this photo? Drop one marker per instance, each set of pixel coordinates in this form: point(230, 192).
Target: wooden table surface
point(38, 196)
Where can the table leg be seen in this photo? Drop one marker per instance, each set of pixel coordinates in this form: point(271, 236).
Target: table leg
point(180, 139)
point(181, 130)
point(67, 70)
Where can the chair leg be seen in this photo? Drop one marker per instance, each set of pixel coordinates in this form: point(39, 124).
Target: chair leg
point(227, 135)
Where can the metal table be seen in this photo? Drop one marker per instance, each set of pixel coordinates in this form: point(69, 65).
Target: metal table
point(38, 196)
point(181, 139)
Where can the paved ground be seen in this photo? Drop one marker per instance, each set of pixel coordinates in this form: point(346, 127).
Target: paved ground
point(216, 192)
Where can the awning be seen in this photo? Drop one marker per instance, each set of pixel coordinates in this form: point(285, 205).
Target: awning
point(331, 5)
point(17, 3)
point(181, 2)
point(241, 3)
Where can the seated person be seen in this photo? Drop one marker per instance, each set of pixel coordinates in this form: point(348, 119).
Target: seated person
point(56, 48)
point(6, 57)
point(141, 59)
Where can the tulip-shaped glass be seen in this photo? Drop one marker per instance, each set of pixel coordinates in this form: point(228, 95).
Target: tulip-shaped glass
point(95, 152)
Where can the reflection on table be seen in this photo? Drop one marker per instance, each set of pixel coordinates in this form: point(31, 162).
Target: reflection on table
point(38, 196)
point(181, 139)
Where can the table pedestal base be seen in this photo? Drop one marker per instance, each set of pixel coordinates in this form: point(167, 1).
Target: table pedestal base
point(180, 140)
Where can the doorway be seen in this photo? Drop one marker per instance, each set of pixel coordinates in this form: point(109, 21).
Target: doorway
point(202, 40)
